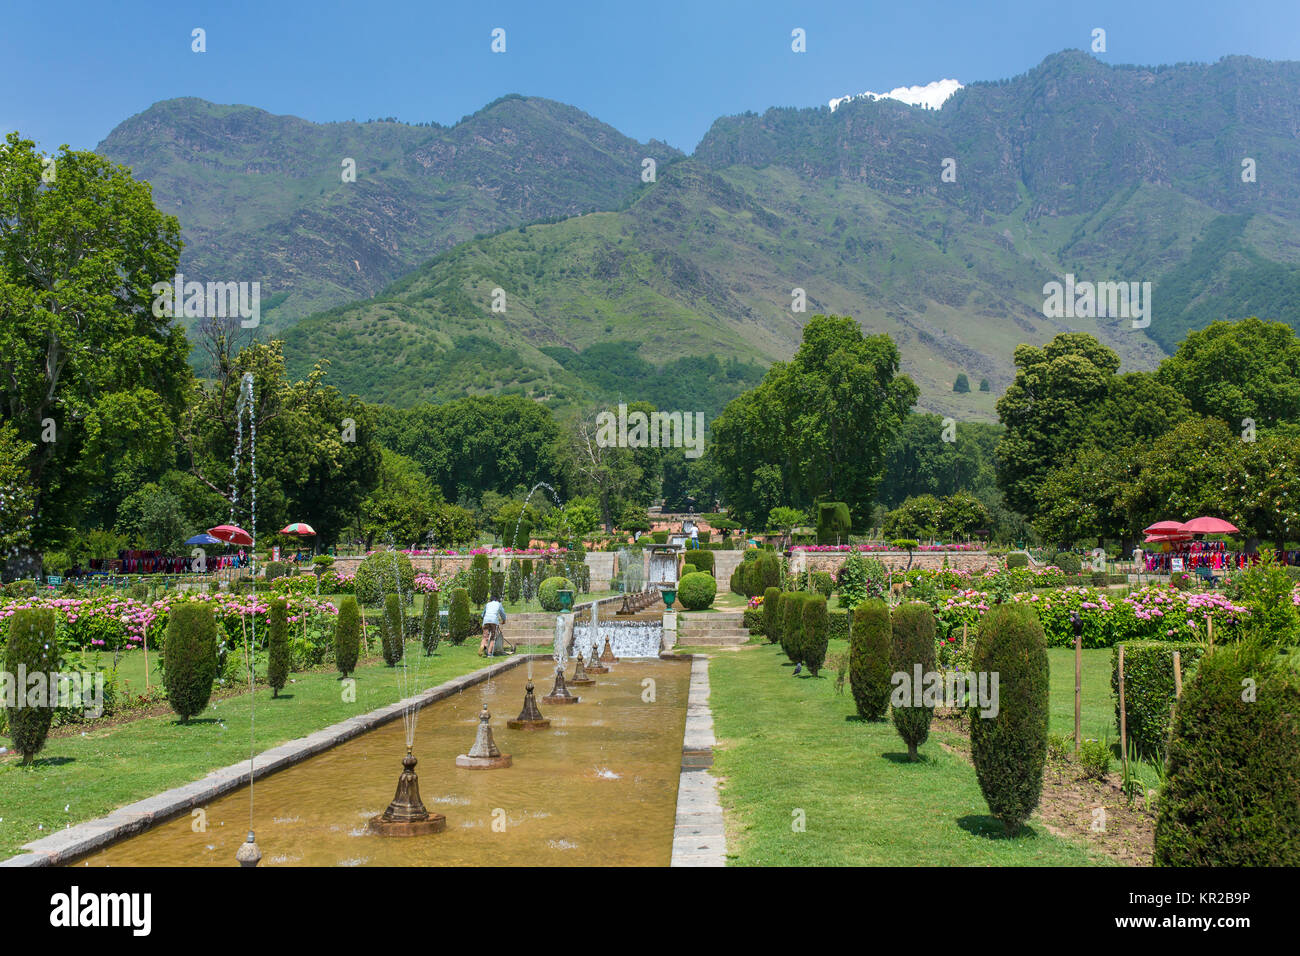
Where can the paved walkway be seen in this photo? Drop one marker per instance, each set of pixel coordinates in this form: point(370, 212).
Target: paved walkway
point(699, 836)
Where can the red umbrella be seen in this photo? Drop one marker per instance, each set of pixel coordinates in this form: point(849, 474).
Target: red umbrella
point(1162, 538)
point(1164, 527)
point(231, 534)
point(1207, 525)
point(298, 527)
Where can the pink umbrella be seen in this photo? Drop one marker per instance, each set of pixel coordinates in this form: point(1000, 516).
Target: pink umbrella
point(231, 534)
point(298, 527)
point(1207, 525)
point(1164, 527)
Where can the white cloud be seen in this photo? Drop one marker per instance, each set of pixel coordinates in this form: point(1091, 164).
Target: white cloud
point(932, 95)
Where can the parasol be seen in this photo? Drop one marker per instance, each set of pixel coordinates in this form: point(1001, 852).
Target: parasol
point(203, 538)
point(298, 527)
point(1164, 527)
point(231, 534)
point(1207, 525)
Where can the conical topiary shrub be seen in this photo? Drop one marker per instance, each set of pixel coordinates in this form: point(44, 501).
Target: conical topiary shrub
point(771, 621)
point(459, 623)
point(1009, 748)
point(430, 623)
point(497, 586)
point(1230, 794)
point(791, 624)
point(390, 633)
point(190, 657)
point(347, 635)
point(813, 641)
point(514, 583)
point(912, 632)
point(32, 648)
point(870, 647)
point(277, 647)
point(479, 579)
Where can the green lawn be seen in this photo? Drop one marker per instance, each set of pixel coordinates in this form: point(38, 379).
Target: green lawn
point(789, 745)
point(82, 777)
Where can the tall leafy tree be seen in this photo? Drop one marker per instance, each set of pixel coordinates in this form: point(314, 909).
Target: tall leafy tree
point(89, 371)
point(1239, 370)
point(400, 508)
point(1046, 410)
point(820, 424)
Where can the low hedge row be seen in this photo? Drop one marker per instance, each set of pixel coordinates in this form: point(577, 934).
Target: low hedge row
point(1149, 689)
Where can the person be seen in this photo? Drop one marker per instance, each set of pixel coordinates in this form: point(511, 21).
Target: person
point(494, 615)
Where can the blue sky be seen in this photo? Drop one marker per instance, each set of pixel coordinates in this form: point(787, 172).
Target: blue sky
point(69, 72)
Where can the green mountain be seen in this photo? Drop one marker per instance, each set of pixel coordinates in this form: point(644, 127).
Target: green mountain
point(1110, 173)
point(263, 197)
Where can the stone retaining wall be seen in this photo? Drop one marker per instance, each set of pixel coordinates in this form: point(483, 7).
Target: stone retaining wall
point(832, 561)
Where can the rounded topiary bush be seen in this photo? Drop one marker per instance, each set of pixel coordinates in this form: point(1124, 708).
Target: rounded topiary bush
point(548, 592)
point(813, 639)
point(1068, 562)
point(390, 630)
point(347, 635)
point(277, 646)
point(459, 623)
point(190, 657)
point(1017, 559)
point(702, 560)
point(1009, 748)
point(384, 572)
point(1229, 796)
point(31, 648)
point(479, 579)
point(771, 612)
point(696, 590)
point(912, 632)
point(792, 624)
point(430, 624)
point(870, 644)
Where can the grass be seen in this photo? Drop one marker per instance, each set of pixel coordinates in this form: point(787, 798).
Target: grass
point(791, 749)
point(86, 776)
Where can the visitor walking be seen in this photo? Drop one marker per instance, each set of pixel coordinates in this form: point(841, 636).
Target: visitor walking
point(494, 615)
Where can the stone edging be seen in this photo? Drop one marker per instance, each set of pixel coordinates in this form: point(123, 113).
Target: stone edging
point(83, 838)
point(699, 834)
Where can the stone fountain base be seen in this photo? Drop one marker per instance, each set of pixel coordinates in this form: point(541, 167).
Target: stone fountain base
point(570, 699)
point(538, 724)
point(484, 763)
point(433, 823)
point(594, 668)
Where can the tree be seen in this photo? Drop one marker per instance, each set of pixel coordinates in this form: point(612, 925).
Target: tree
point(17, 496)
point(190, 657)
point(392, 630)
point(785, 520)
point(399, 509)
point(151, 518)
point(1236, 371)
point(633, 519)
point(317, 455)
point(32, 648)
point(430, 623)
point(1009, 747)
point(919, 517)
point(478, 579)
point(813, 640)
point(1046, 408)
point(961, 514)
point(613, 476)
point(817, 427)
point(984, 385)
point(451, 524)
point(920, 461)
point(277, 646)
point(89, 370)
point(961, 384)
point(459, 623)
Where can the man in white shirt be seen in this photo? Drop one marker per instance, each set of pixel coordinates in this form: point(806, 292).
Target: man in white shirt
point(494, 615)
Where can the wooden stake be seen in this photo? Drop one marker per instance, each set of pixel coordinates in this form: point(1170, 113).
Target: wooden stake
point(1078, 691)
point(1209, 629)
point(1123, 717)
point(1178, 675)
point(963, 638)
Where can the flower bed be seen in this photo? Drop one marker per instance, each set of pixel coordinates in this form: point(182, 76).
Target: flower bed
point(884, 547)
point(1151, 614)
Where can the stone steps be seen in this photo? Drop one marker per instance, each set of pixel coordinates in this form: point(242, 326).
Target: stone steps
point(718, 629)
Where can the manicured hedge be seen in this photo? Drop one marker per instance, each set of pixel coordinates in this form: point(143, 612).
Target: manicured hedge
point(1009, 748)
point(1068, 562)
point(430, 623)
point(702, 560)
point(190, 658)
point(772, 615)
point(870, 650)
point(1017, 559)
point(277, 655)
point(1229, 797)
point(382, 573)
point(548, 592)
point(347, 635)
point(1149, 689)
point(812, 640)
point(913, 644)
point(791, 623)
point(459, 623)
point(837, 625)
point(392, 638)
point(753, 620)
point(33, 648)
point(696, 590)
